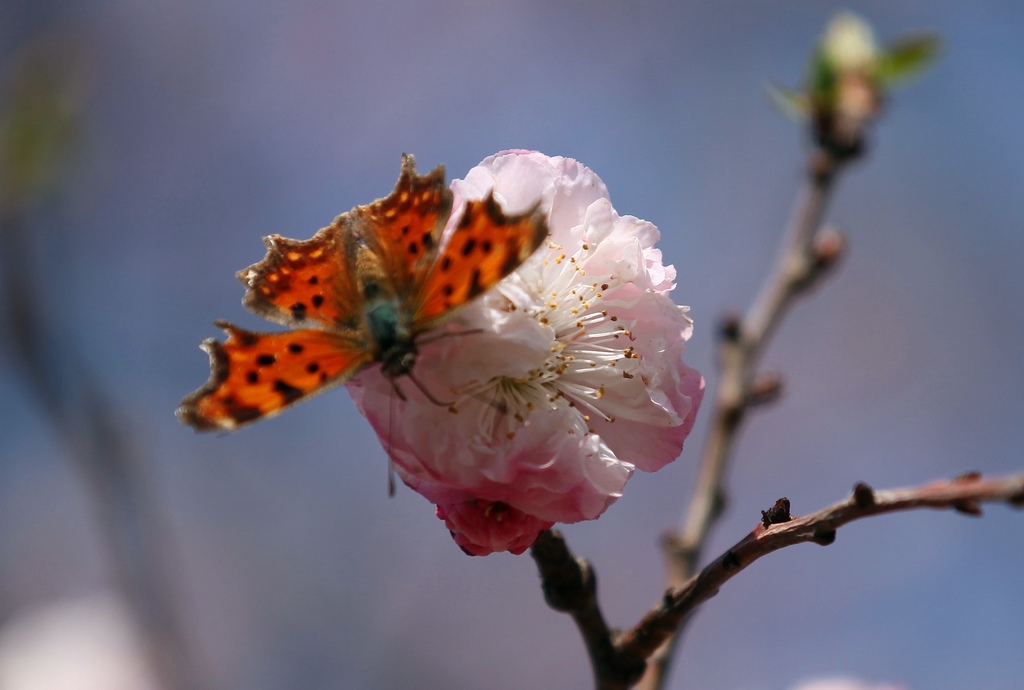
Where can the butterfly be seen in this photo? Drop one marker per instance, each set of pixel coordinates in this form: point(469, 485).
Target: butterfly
point(362, 290)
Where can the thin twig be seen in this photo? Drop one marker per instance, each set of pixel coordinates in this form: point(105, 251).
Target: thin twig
point(964, 494)
point(570, 586)
point(618, 659)
point(807, 254)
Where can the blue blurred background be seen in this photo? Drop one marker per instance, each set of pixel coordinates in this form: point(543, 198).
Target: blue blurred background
point(208, 125)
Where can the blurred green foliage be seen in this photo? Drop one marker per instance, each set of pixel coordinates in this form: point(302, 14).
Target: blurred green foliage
point(40, 120)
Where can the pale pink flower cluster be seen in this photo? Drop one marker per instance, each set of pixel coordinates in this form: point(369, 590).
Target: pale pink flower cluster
point(563, 379)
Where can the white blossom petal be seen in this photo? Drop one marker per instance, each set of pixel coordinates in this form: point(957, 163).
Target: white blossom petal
point(562, 379)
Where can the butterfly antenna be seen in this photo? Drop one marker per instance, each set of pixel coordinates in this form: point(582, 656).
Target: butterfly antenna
point(391, 434)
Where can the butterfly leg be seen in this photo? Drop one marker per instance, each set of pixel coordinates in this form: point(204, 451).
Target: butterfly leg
point(447, 334)
point(426, 392)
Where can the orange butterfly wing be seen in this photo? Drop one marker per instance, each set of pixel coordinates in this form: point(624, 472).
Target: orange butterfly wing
point(306, 282)
point(256, 375)
point(387, 252)
point(484, 247)
point(402, 231)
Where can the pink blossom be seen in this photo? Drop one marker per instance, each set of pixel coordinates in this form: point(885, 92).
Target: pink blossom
point(563, 379)
point(481, 528)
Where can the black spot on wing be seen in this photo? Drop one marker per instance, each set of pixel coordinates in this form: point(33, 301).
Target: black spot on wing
point(474, 285)
point(288, 392)
point(245, 338)
point(512, 260)
point(241, 413)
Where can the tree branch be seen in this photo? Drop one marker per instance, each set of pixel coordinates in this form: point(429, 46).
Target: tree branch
point(570, 586)
point(807, 255)
point(618, 660)
point(778, 530)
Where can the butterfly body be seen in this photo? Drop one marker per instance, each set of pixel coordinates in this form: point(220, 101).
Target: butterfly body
point(392, 338)
point(360, 291)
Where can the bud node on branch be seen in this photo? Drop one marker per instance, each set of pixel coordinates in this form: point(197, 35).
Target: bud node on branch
point(777, 514)
point(829, 246)
point(825, 537)
point(765, 388)
point(730, 561)
point(863, 495)
point(972, 508)
point(729, 327)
